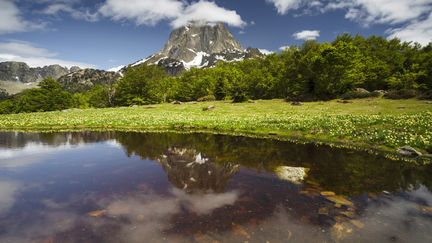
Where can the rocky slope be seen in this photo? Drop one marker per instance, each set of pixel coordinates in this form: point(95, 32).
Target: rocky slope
point(85, 79)
point(199, 46)
point(21, 72)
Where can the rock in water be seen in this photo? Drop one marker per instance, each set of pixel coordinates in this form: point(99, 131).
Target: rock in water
point(295, 175)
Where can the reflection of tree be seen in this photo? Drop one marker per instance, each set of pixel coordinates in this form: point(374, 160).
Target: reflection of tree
point(342, 171)
point(187, 169)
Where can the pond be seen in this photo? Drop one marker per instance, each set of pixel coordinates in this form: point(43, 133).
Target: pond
point(168, 187)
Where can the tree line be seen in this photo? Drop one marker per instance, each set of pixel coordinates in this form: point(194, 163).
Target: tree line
point(312, 71)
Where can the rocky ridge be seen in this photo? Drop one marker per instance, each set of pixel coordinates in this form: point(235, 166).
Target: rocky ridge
point(21, 72)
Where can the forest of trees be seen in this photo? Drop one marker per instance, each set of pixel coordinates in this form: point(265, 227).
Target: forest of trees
point(313, 71)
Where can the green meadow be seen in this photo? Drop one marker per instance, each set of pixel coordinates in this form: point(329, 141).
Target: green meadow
point(377, 124)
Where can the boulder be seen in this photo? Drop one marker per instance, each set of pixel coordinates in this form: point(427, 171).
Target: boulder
point(212, 107)
point(296, 103)
point(361, 90)
point(409, 151)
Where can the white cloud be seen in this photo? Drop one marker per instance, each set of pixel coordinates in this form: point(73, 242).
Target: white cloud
point(414, 15)
point(382, 11)
point(307, 35)
point(142, 12)
point(283, 6)
point(11, 20)
point(207, 12)
point(57, 8)
point(417, 31)
point(363, 11)
point(179, 13)
point(34, 56)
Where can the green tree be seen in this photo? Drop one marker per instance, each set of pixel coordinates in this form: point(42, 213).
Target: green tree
point(141, 85)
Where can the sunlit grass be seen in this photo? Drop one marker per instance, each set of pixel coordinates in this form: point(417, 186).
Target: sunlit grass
point(370, 123)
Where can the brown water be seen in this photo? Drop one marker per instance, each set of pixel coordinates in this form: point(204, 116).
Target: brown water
point(131, 187)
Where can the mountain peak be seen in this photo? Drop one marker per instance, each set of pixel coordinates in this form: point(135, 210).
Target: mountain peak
point(199, 45)
point(186, 42)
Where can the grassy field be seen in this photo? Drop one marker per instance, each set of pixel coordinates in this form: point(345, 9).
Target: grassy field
point(377, 124)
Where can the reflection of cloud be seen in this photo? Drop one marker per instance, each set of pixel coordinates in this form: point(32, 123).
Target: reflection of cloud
point(401, 218)
point(205, 203)
point(150, 214)
point(30, 154)
point(31, 149)
point(8, 191)
point(44, 229)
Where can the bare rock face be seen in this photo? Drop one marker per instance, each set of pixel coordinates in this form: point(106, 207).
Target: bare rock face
point(186, 42)
point(85, 79)
point(21, 72)
point(199, 46)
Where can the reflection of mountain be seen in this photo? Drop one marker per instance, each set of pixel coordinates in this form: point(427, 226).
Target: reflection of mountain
point(340, 170)
point(187, 169)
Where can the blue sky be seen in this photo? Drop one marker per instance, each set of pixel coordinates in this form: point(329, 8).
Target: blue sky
point(108, 33)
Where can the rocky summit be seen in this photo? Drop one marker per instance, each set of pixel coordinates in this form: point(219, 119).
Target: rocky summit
point(21, 72)
point(200, 46)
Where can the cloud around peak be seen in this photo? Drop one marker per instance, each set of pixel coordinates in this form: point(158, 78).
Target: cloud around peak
point(178, 13)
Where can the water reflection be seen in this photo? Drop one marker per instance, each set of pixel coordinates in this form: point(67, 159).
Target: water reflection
point(188, 170)
point(130, 187)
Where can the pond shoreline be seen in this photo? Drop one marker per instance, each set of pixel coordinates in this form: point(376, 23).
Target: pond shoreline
point(375, 125)
point(349, 145)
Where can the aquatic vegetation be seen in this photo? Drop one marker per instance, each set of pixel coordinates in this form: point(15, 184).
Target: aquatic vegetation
point(369, 123)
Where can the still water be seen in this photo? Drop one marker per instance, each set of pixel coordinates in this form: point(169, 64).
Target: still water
point(133, 187)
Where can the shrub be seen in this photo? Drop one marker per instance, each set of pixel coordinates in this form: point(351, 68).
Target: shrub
point(240, 97)
point(207, 98)
point(302, 98)
point(401, 94)
point(359, 94)
point(426, 95)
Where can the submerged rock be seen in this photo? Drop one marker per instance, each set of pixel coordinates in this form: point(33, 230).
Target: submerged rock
point(340, 200)
point(295, 175)
point(340, 231)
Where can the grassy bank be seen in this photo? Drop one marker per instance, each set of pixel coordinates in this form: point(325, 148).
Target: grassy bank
point(377, 124)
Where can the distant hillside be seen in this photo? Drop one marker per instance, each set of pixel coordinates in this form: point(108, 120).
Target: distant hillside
point(85, 79)
point(18, 76)
point(21, 72)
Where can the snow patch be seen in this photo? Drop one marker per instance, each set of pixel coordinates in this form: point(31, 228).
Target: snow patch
point(196, 62)
point(265, 51)
point(141, 61)
point(116, 69)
